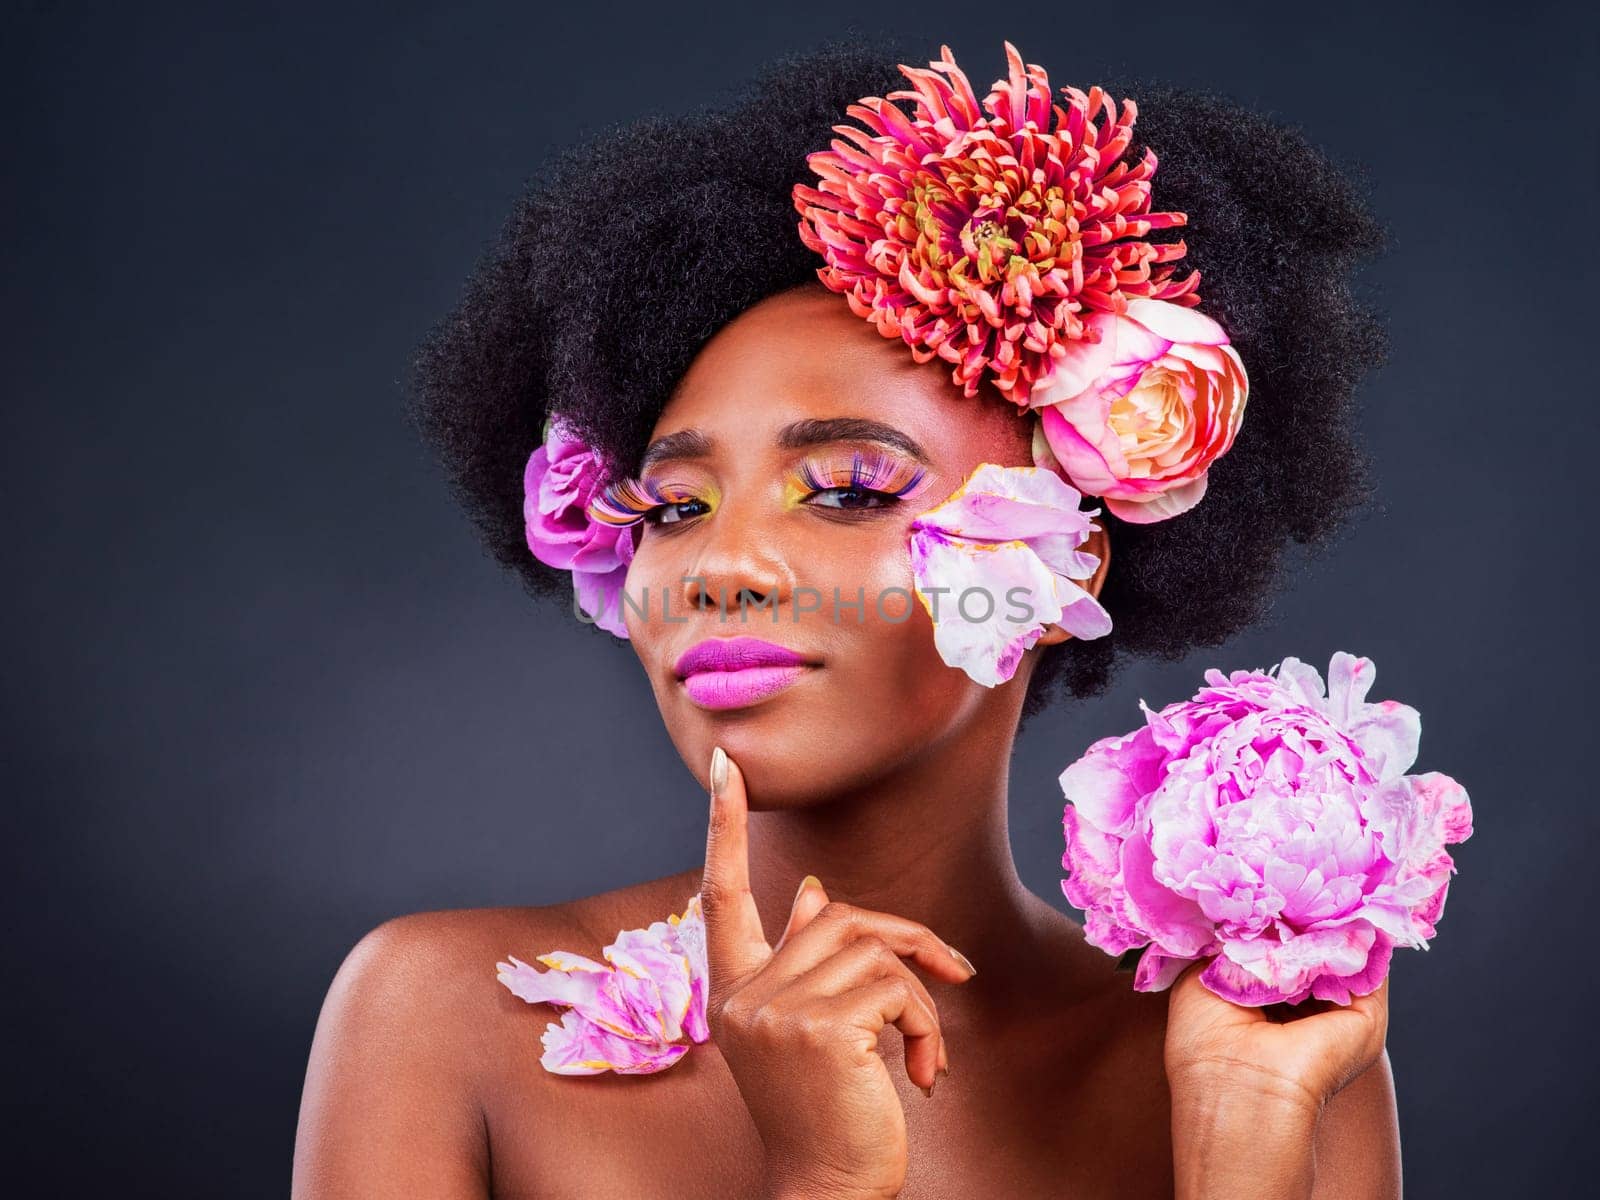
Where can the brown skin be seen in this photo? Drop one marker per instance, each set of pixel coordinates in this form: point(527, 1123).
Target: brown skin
point(883, 772)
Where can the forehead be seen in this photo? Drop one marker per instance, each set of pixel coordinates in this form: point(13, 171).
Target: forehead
point(803, 354)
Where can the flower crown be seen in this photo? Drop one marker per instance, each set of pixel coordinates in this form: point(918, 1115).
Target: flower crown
point(1010, 239)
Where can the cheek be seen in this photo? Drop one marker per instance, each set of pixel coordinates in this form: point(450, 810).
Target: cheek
point(884, 644)
point(657, 571)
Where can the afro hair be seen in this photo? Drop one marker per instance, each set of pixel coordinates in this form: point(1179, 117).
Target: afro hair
point(698, 225)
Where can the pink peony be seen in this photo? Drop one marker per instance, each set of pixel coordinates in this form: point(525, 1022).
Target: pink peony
point(1268, 828)
point(979, 233)
point(1138, 415)
point(995, 564)
point(636, 1013)
point(561, 477)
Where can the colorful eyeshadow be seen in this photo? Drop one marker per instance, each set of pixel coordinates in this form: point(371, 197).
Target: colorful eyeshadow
point(630, 500)
point(873, 471)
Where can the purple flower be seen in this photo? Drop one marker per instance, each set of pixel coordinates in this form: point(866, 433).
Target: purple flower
point(1266, 827)
point(636, 1013)
point(561, 477)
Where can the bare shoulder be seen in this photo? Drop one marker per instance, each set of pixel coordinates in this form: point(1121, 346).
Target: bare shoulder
point(416, 1039)
point(433, 957)
point(434, 972)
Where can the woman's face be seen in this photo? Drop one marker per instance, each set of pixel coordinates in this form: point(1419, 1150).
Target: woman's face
point(795, 452)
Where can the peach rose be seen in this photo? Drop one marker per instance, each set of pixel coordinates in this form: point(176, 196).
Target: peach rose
point(1138, 417)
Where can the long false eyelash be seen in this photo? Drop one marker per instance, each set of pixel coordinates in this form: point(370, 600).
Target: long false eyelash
point(628, 500)
point(876, 471)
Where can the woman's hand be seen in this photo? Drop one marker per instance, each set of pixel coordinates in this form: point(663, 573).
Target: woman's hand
point(1248, 1090)
point(798, 1024)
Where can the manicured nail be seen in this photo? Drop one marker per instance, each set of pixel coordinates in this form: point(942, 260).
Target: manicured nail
point(961, 958)
point(719, 770)
point(944, 1059)
point(805, 883)
point(928, 1091)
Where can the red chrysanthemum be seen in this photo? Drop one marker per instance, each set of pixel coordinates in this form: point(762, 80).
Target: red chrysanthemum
point(981, 238)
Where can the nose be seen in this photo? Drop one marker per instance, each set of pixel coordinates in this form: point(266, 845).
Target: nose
point(739, 568)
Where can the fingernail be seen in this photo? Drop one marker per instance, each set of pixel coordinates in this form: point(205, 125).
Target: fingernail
point(719, 770)
point(961, 958)
point(944, 1059)
point(928, 1091)
point(805, 883)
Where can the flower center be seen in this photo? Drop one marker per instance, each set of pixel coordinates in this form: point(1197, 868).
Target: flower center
point(989, 245)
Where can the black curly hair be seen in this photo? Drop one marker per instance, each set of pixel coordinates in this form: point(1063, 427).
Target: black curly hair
point(630, 251)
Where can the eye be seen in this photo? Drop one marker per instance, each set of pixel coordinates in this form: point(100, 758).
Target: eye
point(850, 497)
point(675, 512)
point(867, 480)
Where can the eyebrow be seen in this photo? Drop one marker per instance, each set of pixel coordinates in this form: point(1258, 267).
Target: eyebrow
point(797, 435)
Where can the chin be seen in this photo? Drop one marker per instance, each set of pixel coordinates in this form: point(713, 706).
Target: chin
point(788, 746)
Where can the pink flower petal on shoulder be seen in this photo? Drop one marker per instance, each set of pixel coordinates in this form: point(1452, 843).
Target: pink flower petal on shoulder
point(578, 1047)
point(635, 1013)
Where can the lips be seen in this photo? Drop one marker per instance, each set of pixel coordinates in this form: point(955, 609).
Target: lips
point(735, 654)
point(721, 673)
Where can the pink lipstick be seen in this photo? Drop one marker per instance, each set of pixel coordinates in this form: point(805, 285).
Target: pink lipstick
point(723, 673)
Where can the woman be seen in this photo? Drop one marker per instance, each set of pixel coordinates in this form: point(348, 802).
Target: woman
point(913, 1021)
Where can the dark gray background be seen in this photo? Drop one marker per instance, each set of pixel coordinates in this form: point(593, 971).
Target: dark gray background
point(262, 692)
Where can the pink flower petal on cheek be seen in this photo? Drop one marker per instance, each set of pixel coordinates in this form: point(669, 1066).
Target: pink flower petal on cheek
point(994, 565)
point(1005, 504)
point(956, 578)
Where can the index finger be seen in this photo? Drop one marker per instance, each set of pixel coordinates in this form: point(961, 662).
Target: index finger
point(735, 943)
